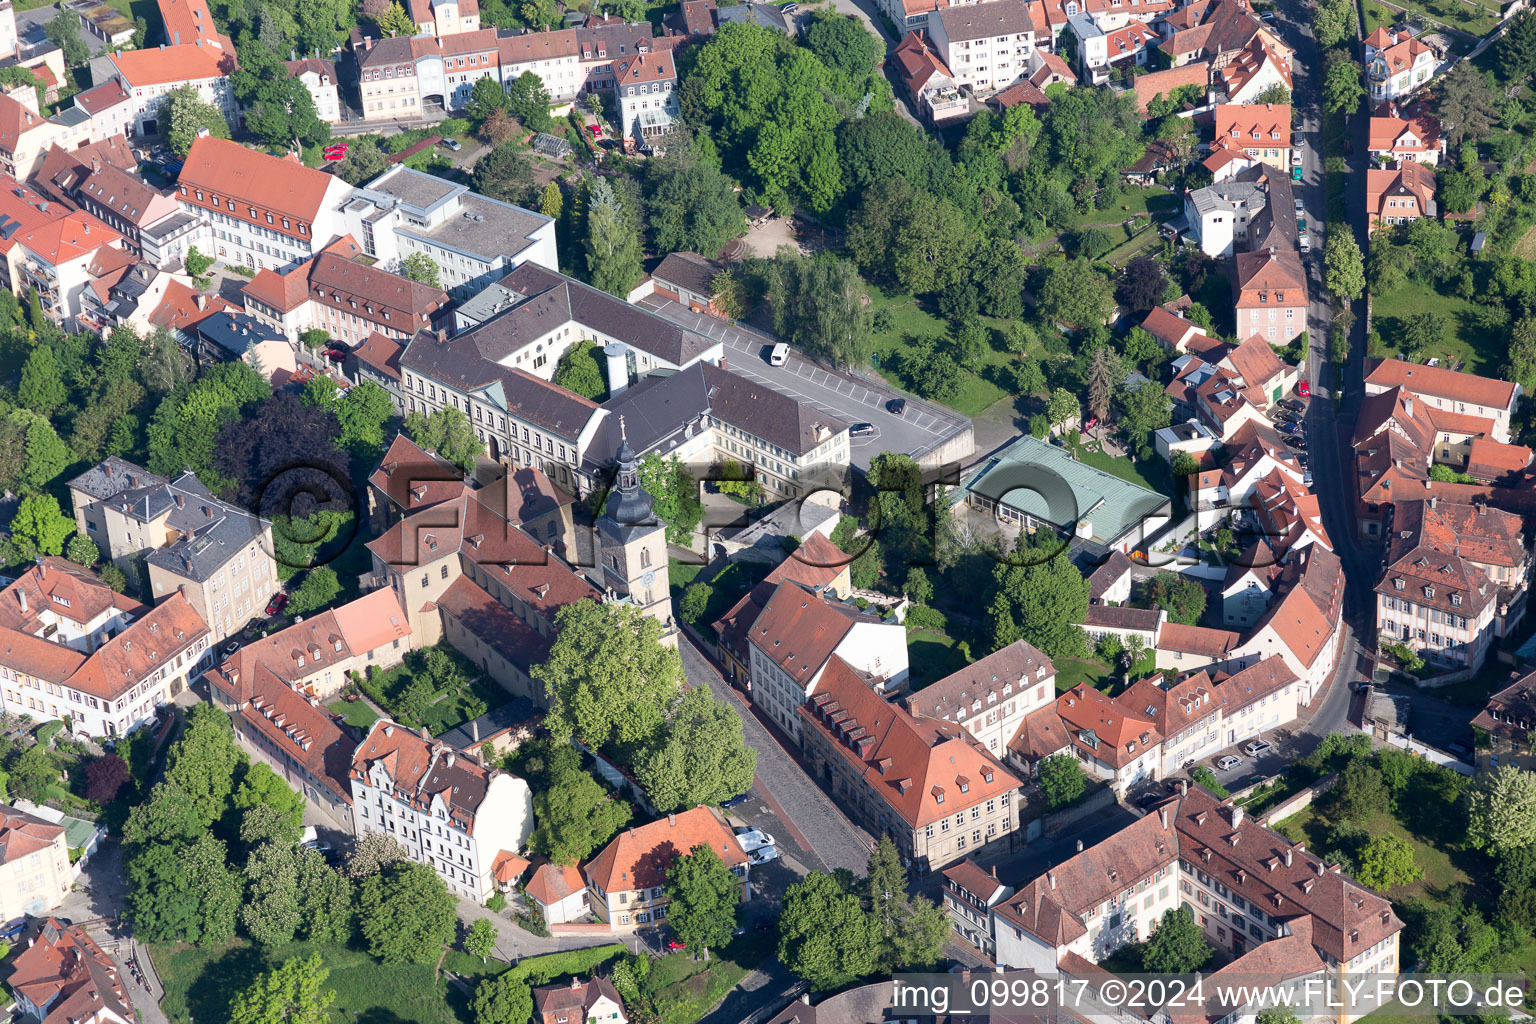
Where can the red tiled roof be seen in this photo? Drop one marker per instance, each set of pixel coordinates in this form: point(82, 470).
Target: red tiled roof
point(64, 969)
point(552, 883)
point(1211, 643)
point(179, 310)
point(283, 292)
point(380, 353)
point(166, 65)
point(1163, 83)
point(1489, 460)
point(300, 730)
point(231, 171)
point(638, 858)
point(74, 235)
point(1441, 383)
point(924, 769)
point(414, 478)
point(799, 630)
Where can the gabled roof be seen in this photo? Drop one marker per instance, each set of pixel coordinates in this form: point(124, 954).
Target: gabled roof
point(985, 20)
point(1210, 643)
point(414, 478)
point(798, 630)
point(919, 63)
point(61, 967)
point(424, 771)
point(1163, 83)
point(552, 883)
point(1270, 270)
point(300, 729)
point(72, 236)
point(1255, 361)
point(17, 120)
point(1489, 460)
point(1441, 383)
point(326, 638)
point(638, 858)
point(55, 586)
point(1412, 178)
point(166, 65)
point(1000, 675)
point(1096, 722)
point(1252, 60)
point(149, 644)
point(232, 171)
point(179, 308)
point(924, 769)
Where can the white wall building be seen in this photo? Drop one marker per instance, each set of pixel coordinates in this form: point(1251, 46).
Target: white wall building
point(445, 808)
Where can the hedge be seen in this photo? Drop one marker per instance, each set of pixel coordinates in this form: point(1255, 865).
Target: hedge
point(541, 970)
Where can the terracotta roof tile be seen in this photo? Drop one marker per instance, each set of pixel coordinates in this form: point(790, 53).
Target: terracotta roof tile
point(638, 858)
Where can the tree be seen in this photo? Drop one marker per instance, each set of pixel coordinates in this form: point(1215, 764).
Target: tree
point(270, 913)
point(551, 201)
point(503, 999)
point(1501, 809)
point(372, 853)
point(449, 433)
point(215, 888)
point(262, 787)
point(1343, 84)
point(1361, 792)
point(279, 109)
point(703, 895)
point(395, 21)
point(1203, 776)
point(1181, 596)
point(292, 993)
point(1279, 1016)
point(820, 304)
point(1042, 598)
point(202, 763)
point(504, 173)
point(918, 588)
point(1423, 333)
point(319, 588)
point(420, 267)
point(1144, 409)
point(40, 522)
point(824, 935)
point(1061, 780)
point(842, 42)
point(1105, 376)
point(500, 128)
point(864, 570)
point(1143, 284)
point(693, 208)
point(82, 550)
point(364, 161)
point(1062, 407)
point(480, 940)
point(612, 242)
point(528, 101)
point(1276, 94)
point(42, 389)
point(1468, 104)
point(1387, 861)
point(406, 913)
point(63, 31)
point(1075, 294)
point(703, 759)
point(1177, 945)
point(1515, 52)
point(183, 115)
point(674, 495)
point(1343, 265)
point(695, 602)
point(1332, 22)
point(579, 371)
point(105, 778)
point(608, 678)
point(486, 98)
point(362, 413)
point(575, 816)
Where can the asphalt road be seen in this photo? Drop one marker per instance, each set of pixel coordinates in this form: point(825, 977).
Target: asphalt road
point(852, 399)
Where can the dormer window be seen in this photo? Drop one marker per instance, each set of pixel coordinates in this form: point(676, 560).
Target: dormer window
point(1397, 584)
point(1429, 592)
point(1456, 600)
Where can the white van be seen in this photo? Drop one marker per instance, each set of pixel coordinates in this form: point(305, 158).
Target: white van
point(779, 356)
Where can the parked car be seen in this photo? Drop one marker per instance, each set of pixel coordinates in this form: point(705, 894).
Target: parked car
point(896, 406)
point(1268, 17)
point(1229, 762)
point(1298, 442)
point(751, 838)
point(275, 605)
point(738, 800)
point(231, 647)
point(1303, 389)
point(861, 430)
point(673, 945)
point(1293, 403)
point(13, 928)
point(1303, 242)
point(1299, 208)
point(779, 355)
point(1258, 748)
point(596, 130)
point(1289, 428)
point(764, 854)
point(452, 145)
point(791, 8)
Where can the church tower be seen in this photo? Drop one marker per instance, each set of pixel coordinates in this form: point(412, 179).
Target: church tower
point(632, 543)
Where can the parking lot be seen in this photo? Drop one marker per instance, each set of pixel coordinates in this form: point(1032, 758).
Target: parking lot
point(919, 429)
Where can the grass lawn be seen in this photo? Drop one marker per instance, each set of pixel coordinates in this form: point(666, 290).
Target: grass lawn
point(1125, 468)
point(729, 586)
point(1154, 199)
point(680, 574)
point(449, 710)
point(357, 713)
point(683, 989)
point(931, 657)
point(1441, 873)
point(909, 319)
point(1483, 350)
point(199, 983)
point(1071, 672)
point(1473, 19)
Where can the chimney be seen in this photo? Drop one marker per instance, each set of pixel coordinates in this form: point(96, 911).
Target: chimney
point(1183, 787)
point(1287, 856)
point(474, 729)
point(1050, 879)
point(1408, 405)
point(202, 301)
point(1482, 509)
point(672, 819)
point(994, 870)
point(448, 761)
point(1162, 816)
point(575, 984)
point(181, 501)
point(21, 595)
point(1237, 816)
point(442, 336)
point(1320, 869)
point(389, 731)
point(1079, 846)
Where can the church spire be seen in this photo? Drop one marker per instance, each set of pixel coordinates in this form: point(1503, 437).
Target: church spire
point(629, 503)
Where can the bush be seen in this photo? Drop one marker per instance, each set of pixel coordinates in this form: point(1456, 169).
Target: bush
point(540, 970)
point(497, 903)
point(922, 617)
point(1207, 778)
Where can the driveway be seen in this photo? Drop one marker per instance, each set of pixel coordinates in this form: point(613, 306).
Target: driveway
point(852, 399)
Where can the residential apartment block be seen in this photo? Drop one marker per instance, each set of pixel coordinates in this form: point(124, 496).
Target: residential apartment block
point(986, 45)
point(793, 641)
point(1263, 131)
point(1270, 291)
point(1506, 721)
point(61, 976)
point(1251, 890)
point(924, 782)
point(990, 698)
point(647, 90)
point(1486, 399)
point(626, 880)
point(1455, 579)
point(263, 211)
point(35, 873)
point(448, 811)
point(215, 554)
point(319, 77)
